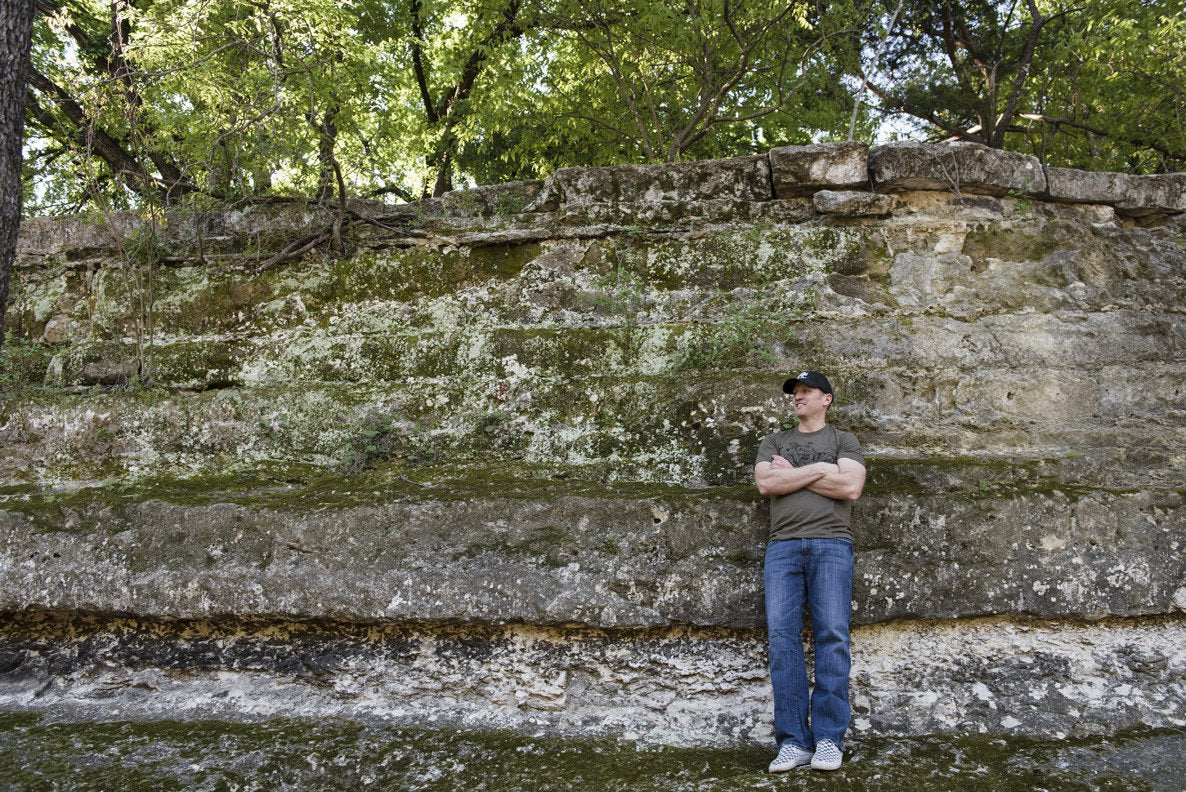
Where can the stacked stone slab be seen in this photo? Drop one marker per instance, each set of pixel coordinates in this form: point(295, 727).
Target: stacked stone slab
point(843, 172)
point(538, 404)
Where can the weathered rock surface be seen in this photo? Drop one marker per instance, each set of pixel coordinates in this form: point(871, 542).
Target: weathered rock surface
point(1078, 186)
point(958, 167)
point(540, 404)
point(1165, 193)
point(1133, 196)
point(852, 204)
point(987, 547)
point(692, 687)
point(495, 199)
point(803, 170)
point(738, 179)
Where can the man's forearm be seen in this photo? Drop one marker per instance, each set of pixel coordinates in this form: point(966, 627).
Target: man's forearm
point(785, 480)
point(837, 486)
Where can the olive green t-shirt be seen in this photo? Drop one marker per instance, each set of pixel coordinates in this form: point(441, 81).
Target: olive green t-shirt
point(806, 514)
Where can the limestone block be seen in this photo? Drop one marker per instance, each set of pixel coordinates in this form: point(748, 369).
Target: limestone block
point(1160, 194)
point(74, 237)
point(912, 394)
point(194, 364)
point(801, 170)
point(679, 215)
point(1133, 196)
point(933, 541)
point(852, 204)
point(109, 363)
point(492, 199)
point(741, 178)
point(1077, 186)
point(956, 167)
point(59, 330)
point(1088, 342)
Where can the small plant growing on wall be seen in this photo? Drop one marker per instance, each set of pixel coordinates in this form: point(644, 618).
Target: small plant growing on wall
point(619, 292)
point(747, 334)
point(379, 438)
point(139, 250)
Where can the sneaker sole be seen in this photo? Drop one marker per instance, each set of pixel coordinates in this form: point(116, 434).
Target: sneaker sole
point(785, 768)
point(825, 765)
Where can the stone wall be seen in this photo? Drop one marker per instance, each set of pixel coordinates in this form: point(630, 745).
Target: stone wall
point(517, 425)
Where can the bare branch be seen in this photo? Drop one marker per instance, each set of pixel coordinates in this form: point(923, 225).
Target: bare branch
point(1153, 145)
point(958, 133)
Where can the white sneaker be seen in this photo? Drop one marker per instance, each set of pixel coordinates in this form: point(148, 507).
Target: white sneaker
point(827, 756)
point(789, 757)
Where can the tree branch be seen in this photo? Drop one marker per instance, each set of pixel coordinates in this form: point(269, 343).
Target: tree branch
point(1153, 145)
point(956, 132)
point(1023, 68)
point(418, 65)
point(507, 28)
point(110, 150)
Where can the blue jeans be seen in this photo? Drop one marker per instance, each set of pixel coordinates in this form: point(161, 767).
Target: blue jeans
point(817, 572)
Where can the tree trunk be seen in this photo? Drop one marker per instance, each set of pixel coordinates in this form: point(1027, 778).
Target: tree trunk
point(444, 179)
point(327, 139)
point(16, 31)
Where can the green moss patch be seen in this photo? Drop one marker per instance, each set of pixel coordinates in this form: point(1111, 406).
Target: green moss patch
point(1008, 244)
point(22, 363)
point(306, 489)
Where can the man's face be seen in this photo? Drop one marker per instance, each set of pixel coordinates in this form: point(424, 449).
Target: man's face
point(809, 401)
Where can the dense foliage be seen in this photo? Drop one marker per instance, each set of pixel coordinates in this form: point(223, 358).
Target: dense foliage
point(1098, 84)
point(136, 101)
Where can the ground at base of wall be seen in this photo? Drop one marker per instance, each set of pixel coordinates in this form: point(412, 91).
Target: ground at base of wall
point(37, 753)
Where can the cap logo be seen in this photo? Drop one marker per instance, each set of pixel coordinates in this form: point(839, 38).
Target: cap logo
point(803, 375)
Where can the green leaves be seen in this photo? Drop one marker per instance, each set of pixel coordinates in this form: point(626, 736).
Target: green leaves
point(232, 100)
point(671, 80)
point(1095, 84)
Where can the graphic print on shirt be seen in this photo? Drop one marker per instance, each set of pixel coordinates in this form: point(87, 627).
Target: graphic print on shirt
point(800, 455)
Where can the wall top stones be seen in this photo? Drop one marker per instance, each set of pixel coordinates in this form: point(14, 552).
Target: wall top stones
point(802, 171)
point(959, 167)
point(790, 184)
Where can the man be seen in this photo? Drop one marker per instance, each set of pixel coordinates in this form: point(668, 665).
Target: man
point(812, 474)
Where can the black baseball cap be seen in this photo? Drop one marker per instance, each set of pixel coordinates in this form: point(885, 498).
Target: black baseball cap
point(813, 378)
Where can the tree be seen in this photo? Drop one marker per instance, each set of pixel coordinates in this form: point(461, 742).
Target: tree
point(155, 101)
point(16, 24)
point(167, 99)
point(160, 100)
point(1089, 83)
point(706, 77)
point(963, 67)
point(138, 102)
point(114, 128)
point(1112, 96)
point(445, 108)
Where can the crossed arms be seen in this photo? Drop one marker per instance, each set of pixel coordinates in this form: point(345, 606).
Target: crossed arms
point(842, 481)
